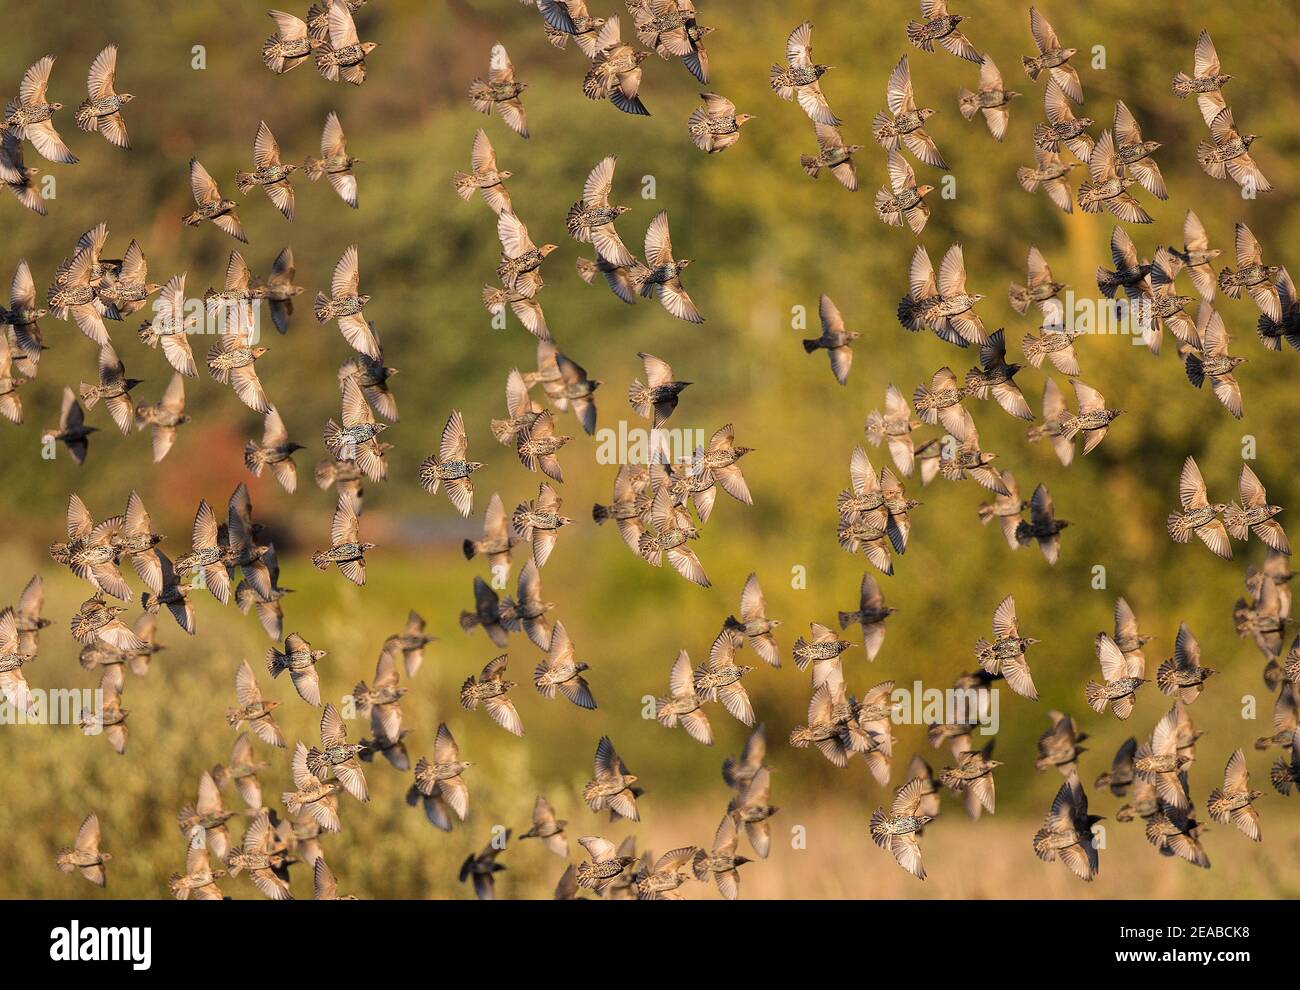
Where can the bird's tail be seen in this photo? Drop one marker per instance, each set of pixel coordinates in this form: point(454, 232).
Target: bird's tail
point(1195, 370)
point(251, 460)
point(320, 560)
point(1042, 845)
point(333, 437)
point(846, 619)
point(322, 301)
point(1032, 68)
point(88, 395)
point(468, 620)
point(1095, 695)
point(1028, 179)
point(149, 602)
point(574, 225)
point(1165, 676)
point(291, 802)
point(1107, 281)
point(968, 103)
point(810, 345)
point(469, 548)
point(882, 129)
point(468, 696)
point(665, 714)
point(1033, 349)
point(810, 165)
point(1282, 777)
point(245, 181)
point(276, 663)
point(879, 835)
point(325, 473)
point(1070, 428)
point(985, 512)
point(1227, 285)
point(1180, 531)
point(638, 395)
point(1182, 85)
point(315, 169)
point(800, 656)
point(599, 513)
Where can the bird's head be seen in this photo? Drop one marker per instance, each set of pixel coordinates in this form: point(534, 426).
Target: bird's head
point(1086, 121)
point(684, 263)
point(620, 210)
point(546, 249)
point(380, 427)
point(924, 190)
point(56, 106)
point(475, 465)
point(504, 174)
point(125, 97)
point(1070, 53)
point(318, 655)
point(368, 46)
point(258, 351)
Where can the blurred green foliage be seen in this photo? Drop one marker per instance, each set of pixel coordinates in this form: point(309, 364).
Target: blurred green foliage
point(766, 239)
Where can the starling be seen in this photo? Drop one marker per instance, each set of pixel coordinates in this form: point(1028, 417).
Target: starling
point(487, 613)
point(612, 785)
point(14, 653)
point(343, 55)
point(1207, 82)
point(1134, 154)
point(1006, 509)
point(290, 46)
point(567, 19)
point(347, 304)
point(995, 378)
point(1127, 637)
point(1285, 773)
point(481, 868)
point(1158, 762)
point(537, 444)
point(1062, 126)
point(269, 172)
point(1129, 274)
point(894, 427)
point(528, 613)
point(661, 880)
point(719, 678)
point(102, 109)
point(753, 624)
point(22, 320)
point(28, 621)
point(943, 305)
point(336, 164)
point(619, 278)
point(1265, 621)
point(337, 756)
point(1199, 516)
point(231, 362)
point(1108, 183)
point(833, 154)
point(591, 219)
point(346, 548)
point(205, 820)
point(85, 854)
point(615, 72)
point(683, 703)
point(721, 861)
point(896, 831)
point(1162, 305)
point(907, 201)
point(441, 780)
point(973, 779)
point(313, 797)
point(497, 539)
point(1067, 831)
point(1231, 804)
point(357, 439)
point(199, 878)
point(715, 127)
point(835, 339)
point(1197, 256)
point(1176, 833)
point(940, 403)
point(1093, 418)
point(521, 259)
point(16, 175)
point(1006, 654)
point(548, 828)
point(1253, 275)
point(626, 510)
point(1043, 525)
point(823, 648)
point(672, 529)
point(721, 459)
point(1049, 173)
point(662, 276)
point(671, 28)
point(211, 204)
point(274, 452)
point(380, 703)
point(300, 660)
point(560, 671)
point(1284, 719)
point(11, 405)
point(490, 690)
point(905, 122)
point(1122, 675)
point(538, 522)
point(256, 855)
point(606, 865)
point(1255, 515)
point(1121, 776)
point(527, 310)
point(73, 295)
point(993, 99)
point(969, 461)
point(254, 709)
point(1214, 362)
point(1053, 57)
point(1042, 290)
point(171, 327)
point(1227, 153)
point(28, 117)
point(1271, 332)
point(799, 80)
point(657, 398)
point(450, 467)
point(487, 177)
point(940, 26)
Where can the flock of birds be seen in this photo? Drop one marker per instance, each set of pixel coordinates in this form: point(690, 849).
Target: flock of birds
point(659, 507)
